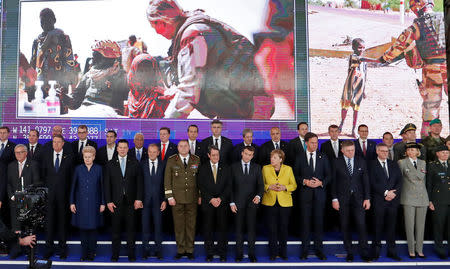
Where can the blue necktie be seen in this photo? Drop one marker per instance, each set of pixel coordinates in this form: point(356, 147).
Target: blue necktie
point(2, 148)
point(304, 144)
point(122, 166)
point(57, 163)
point(138, 154)
point(349, 167)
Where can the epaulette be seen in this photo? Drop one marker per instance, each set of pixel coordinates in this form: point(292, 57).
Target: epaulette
point(195, 156)
point(173, 156)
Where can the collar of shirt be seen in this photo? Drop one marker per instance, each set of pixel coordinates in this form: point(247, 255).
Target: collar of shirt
point(362, 140)
point(246, 145)
point(182, 158)
point(279, 144)
point(33, 145)
point(192, 141)
point(22, 163)
point(216, 164)
point(111, 148)
point(120, 158)
point(308, 155)
point(4, 142)
point(84, 142)
point(244, 163)
point(140, 150)
point(383, 161)
point(351, 160)
point(155, 162)
point(60, 155)
point(412, 160)
point(167, 143)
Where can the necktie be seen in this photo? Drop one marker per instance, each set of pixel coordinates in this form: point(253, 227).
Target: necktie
point(246, 169)
point(385, 170)
point(364, 148)
point(163, 152)
point(81, 147)
point(444, 164)
point(304, 144)
point(415, 164)
point(57, 163)
point(138, 154)
point(349, 167)
point(2, 147)
point(185, 163)
point(217, 143)
point(311, 161)
point(20, 169)
point(390, 156)
point(122, 165)
point(192, 148)
point(335, 148)
point(32, 151)
point(153, 169)
point(276, 146)
point(214, 172)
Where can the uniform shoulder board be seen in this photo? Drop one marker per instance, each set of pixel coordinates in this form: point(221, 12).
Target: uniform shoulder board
point(173, 156)
point(195, 156)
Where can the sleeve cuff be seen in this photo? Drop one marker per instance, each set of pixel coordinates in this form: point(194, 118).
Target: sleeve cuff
point(170, 198)
point(232, 204)
point(335, 200)
point(385, 193)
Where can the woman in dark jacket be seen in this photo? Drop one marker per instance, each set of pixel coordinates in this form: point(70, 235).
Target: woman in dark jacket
point(87, 202)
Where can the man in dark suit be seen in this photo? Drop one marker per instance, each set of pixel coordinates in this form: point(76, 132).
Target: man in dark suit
point(297, 145)
point(138, 152)
point(332, 147)
point(58, 130)
point(247, 189)
point(438, 180)
point(33, 147)
point(108, 151)
point(385, 180)
point(6, 146)
point(83, 141)
point(57, 171)
point(225, 145)
point(214, 182)
point(247, 135)
point(3, 184)
point(350, 192)
point(154, 201)
point(388, 139)
point(274, 143)
point(166, 147)
point(194, 144)
point(364, 147)
point(123, 194)
point(312, 172)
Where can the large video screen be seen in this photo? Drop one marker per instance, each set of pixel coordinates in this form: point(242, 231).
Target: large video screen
point(133, 67)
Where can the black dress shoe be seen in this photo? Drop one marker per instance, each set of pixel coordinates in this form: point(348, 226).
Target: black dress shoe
point(284, 257)
point(63, 256)
point(272, 257)
point(349, 257)
point(145, 255)
point(366, 258)
point(190, 256)
point(132, 258)
point(442, 256)
point(178, 256)
point(114, 258)
point(320, 255)
point(83, 258)
point(421, 256)
point(412, 256)
point(394, 256)
point(223, 258)
point(48, 255)
point(304, 255)
point(159, 255)
point(209, 258)
point(252, 258)
point(238, 258)
point(91, 257)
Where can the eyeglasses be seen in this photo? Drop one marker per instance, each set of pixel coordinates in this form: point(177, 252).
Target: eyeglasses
point(20, 152)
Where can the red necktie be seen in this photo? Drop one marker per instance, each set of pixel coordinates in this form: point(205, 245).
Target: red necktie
point(364, 148)
point(163, 152)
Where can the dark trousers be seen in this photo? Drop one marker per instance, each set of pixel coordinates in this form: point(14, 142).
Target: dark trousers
point(124, 212)
point(278, 222)
point(385, 215)
point(215, 217)
point(311, 211)
point(440, 216)
point(15, 225)
point(56, 223)
point(88, 242)
point(152, 215)
point(184, 220)
point(246, 214)
point(353, 207)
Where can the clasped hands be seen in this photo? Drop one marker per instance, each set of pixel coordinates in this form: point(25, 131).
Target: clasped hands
point(390, 195)
point(277, 187)
point(215, 201)
point(314, 182)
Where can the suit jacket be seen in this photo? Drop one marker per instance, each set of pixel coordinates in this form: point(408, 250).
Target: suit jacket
point(198, 148)
point(294, 148)
point(210, 189)
point(102, 155)
point(343, 185)
point(37, 152)
point(116, 185)
point(380, 183)
point(266, 149)
point(414, 190)
point(48, 146)
point(3, 181)
point(237, 150)
point(226, 149)
point(327, 148)
point(285, 177)
point(30, 174)
point(322, 171)
point(57, 182)
point(8, 153)
point(438, 180)
point(153, 185)
point(371, 152)
point(171, 150)
point(132, 154)
point(245, 187)
point(77, 153)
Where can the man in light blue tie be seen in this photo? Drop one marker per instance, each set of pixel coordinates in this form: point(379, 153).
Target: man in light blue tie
point(138, 152)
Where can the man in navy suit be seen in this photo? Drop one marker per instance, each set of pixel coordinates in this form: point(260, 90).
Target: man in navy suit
point(312, 172)
point(364, 147)
point(247, 190)
point(224, 144)
point(274, 143)
point(166, 148)
point(386, 181)
point(83, 141)
point(194, 144)
point(138, 152)
point(247, 135)
point(58, 130)
point(33, 147)
point(297, 145)
point(154, 202)
point(350, 193)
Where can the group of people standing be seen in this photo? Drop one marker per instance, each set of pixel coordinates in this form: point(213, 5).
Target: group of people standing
point(221, 180)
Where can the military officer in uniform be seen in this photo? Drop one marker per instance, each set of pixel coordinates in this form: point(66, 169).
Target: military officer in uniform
point(438, 187)
point(434, 140)
point(409, 132)
point(181, 191)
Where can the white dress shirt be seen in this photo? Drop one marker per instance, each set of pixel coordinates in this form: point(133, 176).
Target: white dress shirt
point(60, 157)
point(219, 142)
point(275, 146)
point(79, 144)
point(165, 150)
point(110, 151)
point(361, 143)
point(150, 165)
point(308, 156)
